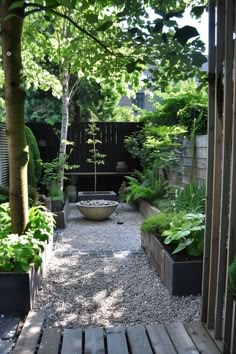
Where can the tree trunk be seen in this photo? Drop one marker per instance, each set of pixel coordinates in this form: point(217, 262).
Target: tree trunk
point(15, 97)
point(64, 125)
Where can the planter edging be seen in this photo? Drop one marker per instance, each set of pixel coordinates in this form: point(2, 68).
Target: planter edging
point(18, 290)
point(181, 278)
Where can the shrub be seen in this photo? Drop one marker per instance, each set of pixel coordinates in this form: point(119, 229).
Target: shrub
point(157, 223)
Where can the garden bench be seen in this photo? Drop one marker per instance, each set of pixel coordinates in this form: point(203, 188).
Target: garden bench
point(150, 339)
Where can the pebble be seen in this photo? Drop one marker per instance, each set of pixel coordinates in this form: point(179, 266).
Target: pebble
point(92, 291)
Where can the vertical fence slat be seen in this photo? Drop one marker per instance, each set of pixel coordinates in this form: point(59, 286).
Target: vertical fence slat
point(227, 145)
point(217, 164)
point(210, 158)
point(229, 314)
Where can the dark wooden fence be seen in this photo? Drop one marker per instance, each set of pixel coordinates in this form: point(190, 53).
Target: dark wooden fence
point(112, 137)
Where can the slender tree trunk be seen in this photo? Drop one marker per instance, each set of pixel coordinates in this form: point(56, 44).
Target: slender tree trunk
point(15, 97)
point(64, 125)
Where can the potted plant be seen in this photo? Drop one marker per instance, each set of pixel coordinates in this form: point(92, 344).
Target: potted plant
point(56, 201)
point(23, 259)
point(96, 158)
point(174, 243)
point(96, 205)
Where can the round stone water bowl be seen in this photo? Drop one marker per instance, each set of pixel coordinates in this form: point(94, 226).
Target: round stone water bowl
point(97, 209)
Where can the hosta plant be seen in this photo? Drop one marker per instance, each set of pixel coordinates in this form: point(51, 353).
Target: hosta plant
point(187, 233)
point(17, 253)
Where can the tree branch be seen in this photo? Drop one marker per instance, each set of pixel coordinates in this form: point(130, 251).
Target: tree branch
point(81, 29)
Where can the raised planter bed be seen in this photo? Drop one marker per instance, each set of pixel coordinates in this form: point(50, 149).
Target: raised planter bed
point(60, 211)
point(107, 195)
point(18, 290)
point(181, 275)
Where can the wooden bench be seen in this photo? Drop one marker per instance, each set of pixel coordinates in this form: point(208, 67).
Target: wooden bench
point(151, 339)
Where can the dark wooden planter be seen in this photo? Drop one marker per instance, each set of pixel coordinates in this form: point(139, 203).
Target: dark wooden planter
point(60, 211)
point(181, 277)
point(18, 290)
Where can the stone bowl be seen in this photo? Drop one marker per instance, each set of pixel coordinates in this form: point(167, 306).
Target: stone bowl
point(97, 209)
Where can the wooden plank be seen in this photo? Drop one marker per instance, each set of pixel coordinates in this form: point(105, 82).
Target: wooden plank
point(201, 338)
point(138, 340)
point(94, 341)
point(50, 341)
point(72, 341)
point(160, 340)
point(210, 159)
point(217, 165)
point(116, 340)
point(181, 339)
point(226, 167)
point(30, 333)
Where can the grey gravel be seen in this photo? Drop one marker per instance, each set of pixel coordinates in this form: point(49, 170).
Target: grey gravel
point(108, 291)
point(121, 231)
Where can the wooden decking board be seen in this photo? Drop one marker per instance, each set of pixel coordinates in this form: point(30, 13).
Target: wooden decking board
point(72, 341)
point(138, 340)
point(94, 341)
point(29, 337)
point(50, 341)
point(160, 340)
point(116, 340)
point(181, 339)
point(201, 338)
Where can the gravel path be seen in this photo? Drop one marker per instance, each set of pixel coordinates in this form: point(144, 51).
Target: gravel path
point(121, 231)
point(93, 291)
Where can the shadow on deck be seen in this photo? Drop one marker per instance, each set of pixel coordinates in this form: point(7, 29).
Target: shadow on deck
point(150, 339)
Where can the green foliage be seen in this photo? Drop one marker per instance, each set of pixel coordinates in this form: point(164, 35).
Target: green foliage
point(146, 186)
point(42, 107)
point(96, 99)
point(34, 165)
point(191, 198)
point(51, 176)
point(17, 253)
point(125, 114)
point(5, 220)
point(154, 145)
point(181, 105)
point(157, 224)
point(187, 233)
point(41, 223)
point(232, 279)
point(96, 157)
point(32, 195)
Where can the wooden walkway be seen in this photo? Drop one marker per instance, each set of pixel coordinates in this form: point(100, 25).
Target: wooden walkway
point(151, 339)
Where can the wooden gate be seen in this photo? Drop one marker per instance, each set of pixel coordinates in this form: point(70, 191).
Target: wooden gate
point(218, 308)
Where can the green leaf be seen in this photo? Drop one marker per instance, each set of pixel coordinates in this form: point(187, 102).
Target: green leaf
point(198, 59)
point(198, 10)
point(91, 18)
point(185, 33)
point(174, 14)
point(158, 26)
point(16, 4)
point(105, 26)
